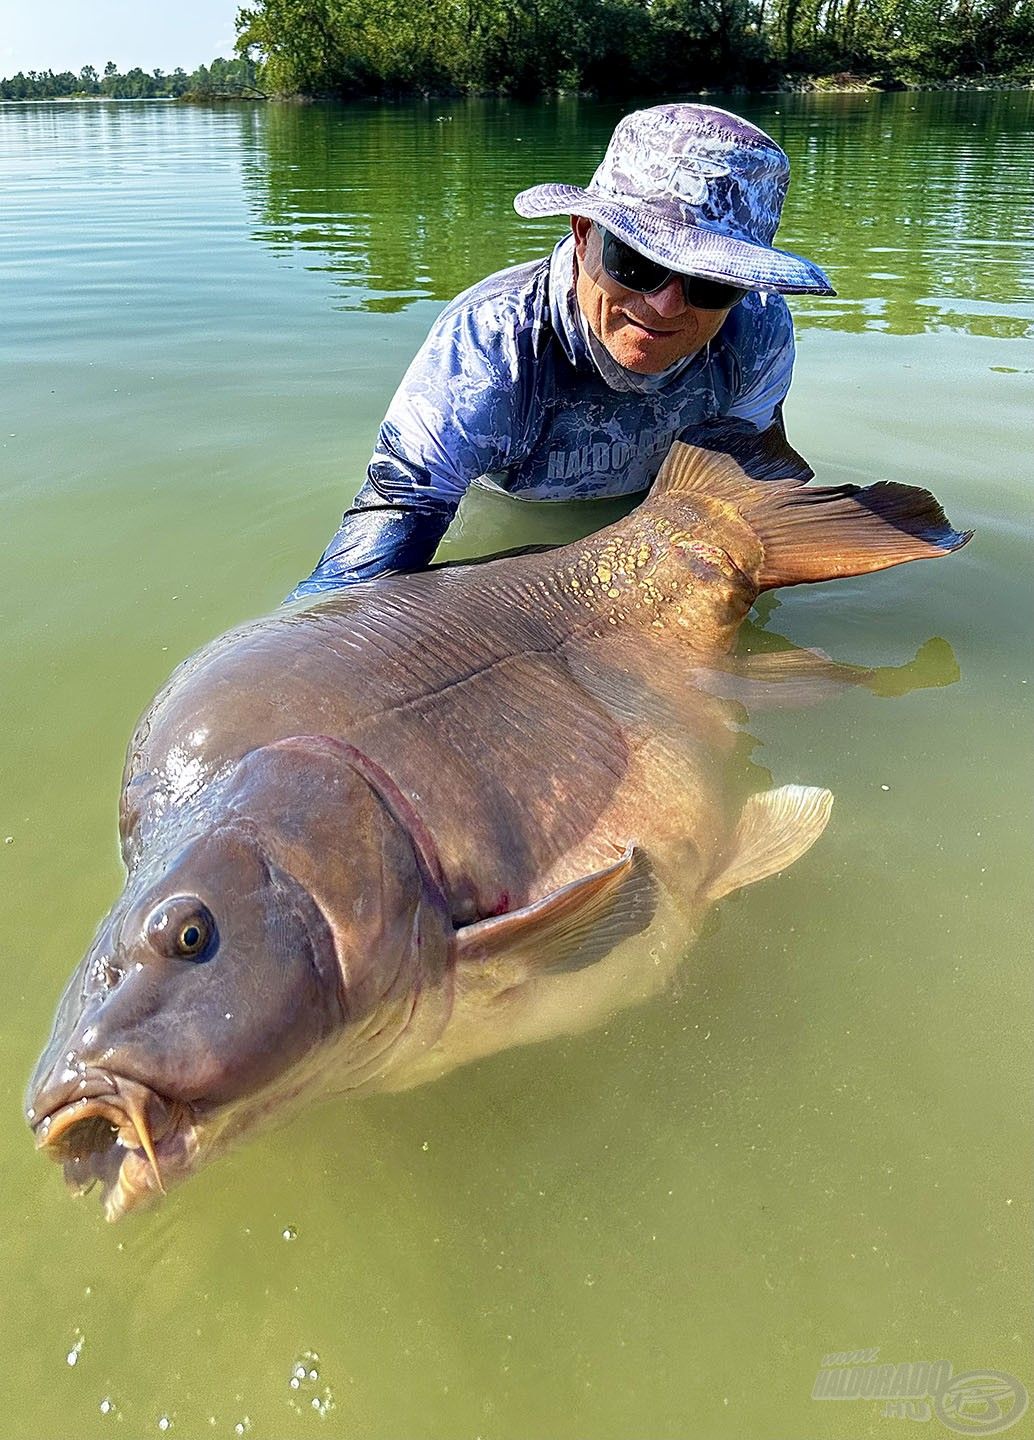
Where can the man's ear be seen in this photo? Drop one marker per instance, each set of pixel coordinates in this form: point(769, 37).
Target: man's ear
point(581, 226)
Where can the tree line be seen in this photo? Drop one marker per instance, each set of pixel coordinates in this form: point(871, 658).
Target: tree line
point(236, 77)
point(353, 48)
point(346, 48)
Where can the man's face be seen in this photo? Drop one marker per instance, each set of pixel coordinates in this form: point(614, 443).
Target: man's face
point(644, 333)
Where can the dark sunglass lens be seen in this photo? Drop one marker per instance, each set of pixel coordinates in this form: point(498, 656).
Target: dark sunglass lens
point(711, 294)
point(631, 269)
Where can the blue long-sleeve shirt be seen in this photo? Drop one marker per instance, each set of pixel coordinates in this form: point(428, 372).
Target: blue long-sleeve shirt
point(510, 390)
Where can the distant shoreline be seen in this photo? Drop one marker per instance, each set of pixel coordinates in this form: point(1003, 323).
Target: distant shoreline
point(810, 85)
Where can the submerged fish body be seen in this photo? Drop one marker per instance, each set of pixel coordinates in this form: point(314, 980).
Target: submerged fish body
point(438, 815)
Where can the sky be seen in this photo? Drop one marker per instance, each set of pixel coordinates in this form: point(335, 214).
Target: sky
point(68, 34)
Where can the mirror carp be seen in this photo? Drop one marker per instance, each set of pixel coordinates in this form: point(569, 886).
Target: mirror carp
point(441, 814)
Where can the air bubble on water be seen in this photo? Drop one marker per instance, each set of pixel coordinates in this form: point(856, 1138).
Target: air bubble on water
point(323, 1403)
point(305, 1374)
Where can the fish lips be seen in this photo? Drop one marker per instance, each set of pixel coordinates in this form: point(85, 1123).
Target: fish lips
point(117, 1132)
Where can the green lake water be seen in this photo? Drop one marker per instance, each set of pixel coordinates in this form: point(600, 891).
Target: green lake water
point(821, 1140)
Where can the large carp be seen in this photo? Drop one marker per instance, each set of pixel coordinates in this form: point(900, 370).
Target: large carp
point(441, 814)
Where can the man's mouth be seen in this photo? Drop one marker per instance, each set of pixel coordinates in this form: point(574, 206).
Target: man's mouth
point(650, 330)
point(117, 1132)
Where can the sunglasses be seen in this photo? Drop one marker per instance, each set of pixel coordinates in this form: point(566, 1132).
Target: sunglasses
point(627, 268)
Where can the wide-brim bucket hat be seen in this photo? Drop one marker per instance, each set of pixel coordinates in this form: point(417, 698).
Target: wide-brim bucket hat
point(697, 190)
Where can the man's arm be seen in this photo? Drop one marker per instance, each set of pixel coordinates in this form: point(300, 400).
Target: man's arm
point(376, 537)
point(459, 413)
point(765, 353)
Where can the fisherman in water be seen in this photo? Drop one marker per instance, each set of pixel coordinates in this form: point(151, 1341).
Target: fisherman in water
point(659, 317)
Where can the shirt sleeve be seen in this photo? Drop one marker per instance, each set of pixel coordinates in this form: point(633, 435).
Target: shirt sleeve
point(766, 356)
point(459, 412)
point(375, 539)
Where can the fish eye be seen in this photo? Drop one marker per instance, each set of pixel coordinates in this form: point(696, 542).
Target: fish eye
point(183, 928)
point(192, 938)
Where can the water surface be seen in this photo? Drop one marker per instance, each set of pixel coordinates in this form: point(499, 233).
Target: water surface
point(820, 1141)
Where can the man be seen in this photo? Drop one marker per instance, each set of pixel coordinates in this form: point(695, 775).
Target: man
point(660, 316)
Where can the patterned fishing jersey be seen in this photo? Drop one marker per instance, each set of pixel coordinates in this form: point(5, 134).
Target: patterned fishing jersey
point(511, 390)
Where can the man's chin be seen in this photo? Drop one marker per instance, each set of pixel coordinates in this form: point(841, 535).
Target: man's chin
point(644, 351)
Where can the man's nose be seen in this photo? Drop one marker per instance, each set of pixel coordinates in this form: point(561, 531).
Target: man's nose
point(670, 301)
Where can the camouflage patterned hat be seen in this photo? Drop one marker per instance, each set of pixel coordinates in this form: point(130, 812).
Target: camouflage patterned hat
point(696, 189)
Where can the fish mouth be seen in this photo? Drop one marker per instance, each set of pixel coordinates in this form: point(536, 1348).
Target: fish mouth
point(117, 1133)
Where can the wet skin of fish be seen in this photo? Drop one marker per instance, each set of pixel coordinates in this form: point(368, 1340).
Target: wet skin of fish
point(442, 814)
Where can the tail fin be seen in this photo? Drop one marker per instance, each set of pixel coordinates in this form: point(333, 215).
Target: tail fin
point(811, 532)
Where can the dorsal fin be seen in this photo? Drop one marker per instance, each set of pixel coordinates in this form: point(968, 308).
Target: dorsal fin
point(813, 532)
point(752, 456)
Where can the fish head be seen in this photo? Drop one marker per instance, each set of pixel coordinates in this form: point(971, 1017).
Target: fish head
point(291, 921)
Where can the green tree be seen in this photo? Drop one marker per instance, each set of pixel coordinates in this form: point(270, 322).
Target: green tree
point(345, 48)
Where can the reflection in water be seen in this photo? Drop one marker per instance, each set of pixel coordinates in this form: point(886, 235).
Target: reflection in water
point(933, 666)
point(956, 168)
point(414, 202)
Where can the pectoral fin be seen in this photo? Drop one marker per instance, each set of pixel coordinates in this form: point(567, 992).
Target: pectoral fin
point(569, 929)
point(775, 828)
